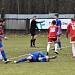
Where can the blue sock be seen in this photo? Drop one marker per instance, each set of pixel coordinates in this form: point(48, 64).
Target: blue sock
point(59, 43)
point(4, 56)
point(22, 60)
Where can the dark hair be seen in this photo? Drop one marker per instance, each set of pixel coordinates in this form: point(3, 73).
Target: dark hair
point(57, 15)
point(53, 22)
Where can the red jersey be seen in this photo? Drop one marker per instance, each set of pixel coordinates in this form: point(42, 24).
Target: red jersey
point(1, 33)
point(71, 29)
point(52, 31)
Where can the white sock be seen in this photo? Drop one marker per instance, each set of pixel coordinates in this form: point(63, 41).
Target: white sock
point(48, 47)
point(56, 47)
point(0, 56)
point(73, 50)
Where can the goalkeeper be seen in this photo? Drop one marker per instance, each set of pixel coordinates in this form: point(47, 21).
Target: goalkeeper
point(36, 57)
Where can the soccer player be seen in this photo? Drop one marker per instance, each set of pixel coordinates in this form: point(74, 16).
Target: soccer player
point(71, 30)
point(1, 44)
point(33, 31)
point(36, 57)
point(1, 21)
point(52, 36)
point(58, 23)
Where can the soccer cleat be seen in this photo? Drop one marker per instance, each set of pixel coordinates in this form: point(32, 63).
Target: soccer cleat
point(15, 62)
point(47, 53)
point(56, 52)
point(8, 61)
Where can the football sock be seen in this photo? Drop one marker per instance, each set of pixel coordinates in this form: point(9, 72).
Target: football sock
point(0, 56)
point(31, 42)
point(56, 47)
point(48, 47)
point(73, 50)
point(22, 60)
point(4, 56)
point(34, 42)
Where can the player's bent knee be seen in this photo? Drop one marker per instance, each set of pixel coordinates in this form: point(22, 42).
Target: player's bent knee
point(29, 57)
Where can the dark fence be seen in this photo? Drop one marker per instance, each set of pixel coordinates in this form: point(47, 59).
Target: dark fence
point(37, 6)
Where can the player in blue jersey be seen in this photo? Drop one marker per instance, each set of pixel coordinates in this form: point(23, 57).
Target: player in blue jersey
point(36, 57)
point(58, 23)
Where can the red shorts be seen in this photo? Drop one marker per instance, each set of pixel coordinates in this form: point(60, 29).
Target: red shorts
point(72, 39)
point(50, 40)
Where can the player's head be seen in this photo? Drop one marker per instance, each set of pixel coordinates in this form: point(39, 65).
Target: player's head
point(34, 17)
point(53, 22)
point(57, 15)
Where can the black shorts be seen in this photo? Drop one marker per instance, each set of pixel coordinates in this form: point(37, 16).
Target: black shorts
point(33, 32)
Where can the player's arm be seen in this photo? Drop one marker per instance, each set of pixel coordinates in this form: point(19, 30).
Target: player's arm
point(40, 21)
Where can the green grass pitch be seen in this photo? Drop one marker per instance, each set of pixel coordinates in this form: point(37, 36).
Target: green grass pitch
point(17, 45)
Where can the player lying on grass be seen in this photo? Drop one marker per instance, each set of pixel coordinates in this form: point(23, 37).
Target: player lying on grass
point(36, 57)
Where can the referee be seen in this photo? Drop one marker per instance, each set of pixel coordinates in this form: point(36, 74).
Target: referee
point(33, 29)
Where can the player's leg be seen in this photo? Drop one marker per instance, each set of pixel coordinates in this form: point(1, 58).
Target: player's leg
point(0, 56)
point(55, 45)
point(23, 59)
point(2, 51)
point(73, 49)
point(72, 41)
point(32, 39)
point(1, 45)
point(48, 45)
point(59, 42)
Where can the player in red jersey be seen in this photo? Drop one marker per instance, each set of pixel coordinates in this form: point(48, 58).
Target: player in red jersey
point(52, 36)
point(71, 30)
